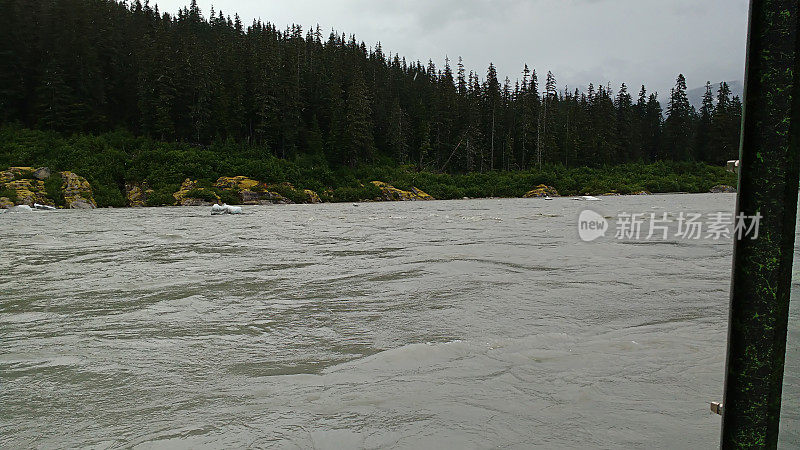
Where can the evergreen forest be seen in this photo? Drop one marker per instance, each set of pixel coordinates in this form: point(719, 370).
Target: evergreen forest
point(252, 95)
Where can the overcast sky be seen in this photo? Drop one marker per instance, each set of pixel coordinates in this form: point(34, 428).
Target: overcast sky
point(581, 41)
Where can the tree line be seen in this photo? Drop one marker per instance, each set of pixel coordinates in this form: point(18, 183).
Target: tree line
point(92, 66)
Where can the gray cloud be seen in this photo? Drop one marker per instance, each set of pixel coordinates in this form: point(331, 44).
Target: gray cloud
point(581, 41)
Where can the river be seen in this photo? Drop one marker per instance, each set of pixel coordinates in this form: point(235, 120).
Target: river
point(446, 324)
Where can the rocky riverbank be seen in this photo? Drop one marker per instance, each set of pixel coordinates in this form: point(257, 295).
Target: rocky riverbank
point(29, 186)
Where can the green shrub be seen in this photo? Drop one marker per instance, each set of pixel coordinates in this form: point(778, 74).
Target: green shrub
point(229, 197)
point(346, 194)
point(109, 160)
point(162, 197)
point(25, 175)
point(53, 188)
point(354, 194)
point(295, 195)
point(203, 194)
point(445, 192)
point(9, 193)
point(105, 195)
point(370, 191)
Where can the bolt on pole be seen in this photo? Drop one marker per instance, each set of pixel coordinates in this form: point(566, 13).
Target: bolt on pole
point(762, 268)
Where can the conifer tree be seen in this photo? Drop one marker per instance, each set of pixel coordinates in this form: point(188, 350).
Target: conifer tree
point(678, 125)
point(724, 130)
point(358, 129)
point(398, 139)
point(625, 125)
point(653, 124)
point(702, 143)
point(492, 103)
point(462, 81)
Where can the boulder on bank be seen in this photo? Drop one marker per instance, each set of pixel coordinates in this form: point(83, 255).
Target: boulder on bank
point(392, 194)
point(285, 193)
point(77, 191)
point(277, 193)
point(542, 191)
point(16, 173)
point(722, 189)
point(311, 196)
point(137, 194)
point(28, 192)
point(29, 186)
point(81, 203)
point(239, 183)
point(260, 197)
point(191, 194)
point(421, 195)
point(42, 173)
point(246, 190)
point(252, 192)
point(20, 187)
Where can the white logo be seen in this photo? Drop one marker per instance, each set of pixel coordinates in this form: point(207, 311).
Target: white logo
point(591, 225)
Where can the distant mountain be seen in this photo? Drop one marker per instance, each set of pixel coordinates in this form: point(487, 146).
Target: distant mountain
point(696, 95)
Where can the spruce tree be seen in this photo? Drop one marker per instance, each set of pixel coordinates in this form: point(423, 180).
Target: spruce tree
point(358, 128)
point(492, 100)
point(653, 124)
point(397, 138)
point(678, 125)
point(725, 124)
point(702, 143)
point(625, 125)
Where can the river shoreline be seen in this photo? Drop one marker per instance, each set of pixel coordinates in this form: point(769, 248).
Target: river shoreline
point(31, 185)
point(367, 202)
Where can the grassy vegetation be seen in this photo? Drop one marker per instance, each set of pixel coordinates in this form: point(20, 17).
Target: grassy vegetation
point(110, 160)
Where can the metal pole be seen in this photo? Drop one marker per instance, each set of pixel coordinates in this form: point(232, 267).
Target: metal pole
point(762, 269)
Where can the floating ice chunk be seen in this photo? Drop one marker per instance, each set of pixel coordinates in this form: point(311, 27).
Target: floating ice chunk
point(44, 207)
point(225, 209)
point(20, 208)
point(217, 209)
